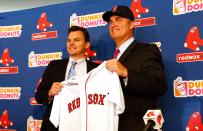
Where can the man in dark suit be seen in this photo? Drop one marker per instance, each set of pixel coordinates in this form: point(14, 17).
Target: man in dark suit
point(139, 66)
point(58, 71)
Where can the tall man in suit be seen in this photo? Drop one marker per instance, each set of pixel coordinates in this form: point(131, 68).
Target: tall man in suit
point(57, 71)
point(139, 66)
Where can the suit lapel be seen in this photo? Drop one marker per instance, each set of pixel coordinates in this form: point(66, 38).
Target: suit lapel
point(63, 67)
point(127, 52)
point(88, 66)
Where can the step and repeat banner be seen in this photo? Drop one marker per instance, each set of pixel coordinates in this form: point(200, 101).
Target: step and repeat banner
point(30, 39)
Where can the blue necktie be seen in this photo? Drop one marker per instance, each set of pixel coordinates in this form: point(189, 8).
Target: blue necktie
point(72, 71)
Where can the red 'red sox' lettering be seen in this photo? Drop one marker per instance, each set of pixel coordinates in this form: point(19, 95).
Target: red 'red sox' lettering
point(74, 104)
point(96, 99)
point(92, 99)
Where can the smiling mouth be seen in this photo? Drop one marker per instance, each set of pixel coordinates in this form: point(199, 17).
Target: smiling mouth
point(71, 48)
point(115, 30)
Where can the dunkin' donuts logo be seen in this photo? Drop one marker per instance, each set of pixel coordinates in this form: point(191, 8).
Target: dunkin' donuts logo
point(37, 60)
point(87, 21)
point(10, 93)
point(33, 124)
point(186, 6)
point(190, 88)
point(10, 31)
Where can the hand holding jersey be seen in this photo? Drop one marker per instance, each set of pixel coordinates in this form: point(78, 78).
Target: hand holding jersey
point(99, 92)
point(55, 89)
point(114, 65)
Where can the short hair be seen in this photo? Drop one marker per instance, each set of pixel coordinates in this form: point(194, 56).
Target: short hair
point(83, 30)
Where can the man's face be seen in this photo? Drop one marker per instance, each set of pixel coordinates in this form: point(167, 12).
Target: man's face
point(76, 44)
point(120, 28)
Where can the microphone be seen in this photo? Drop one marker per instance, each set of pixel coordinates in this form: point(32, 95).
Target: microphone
point(149, 126)
point(153, 119)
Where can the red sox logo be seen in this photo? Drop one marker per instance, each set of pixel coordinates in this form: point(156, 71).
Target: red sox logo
point(96, 99)
point(193, 40)
point(114, 8)
point(4, 120)
point(138, 9)
point(6, 59)
point(89, 53)
point(195, 122)
point(150, 114)
point(159, 118)
point(43, 23)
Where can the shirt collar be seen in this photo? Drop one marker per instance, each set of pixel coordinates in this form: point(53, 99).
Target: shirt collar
point(125, 45)
point(78, 61)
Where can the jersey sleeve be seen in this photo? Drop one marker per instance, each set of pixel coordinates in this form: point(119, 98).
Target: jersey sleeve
point(116, 93)
point(55, 111)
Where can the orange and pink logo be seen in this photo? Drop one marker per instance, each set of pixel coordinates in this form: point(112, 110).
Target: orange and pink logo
point(37, 60)
point(87, 21)
point(10, 31)
point(190, 88)
point(33, 124)
point(186, 6)
point(10, 93)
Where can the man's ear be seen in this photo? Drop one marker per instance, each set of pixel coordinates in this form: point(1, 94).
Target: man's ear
point(87, 45)
point(132, 25)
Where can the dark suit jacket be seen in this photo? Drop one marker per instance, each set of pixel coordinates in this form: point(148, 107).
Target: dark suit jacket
point(146, 81)
point(55, 72)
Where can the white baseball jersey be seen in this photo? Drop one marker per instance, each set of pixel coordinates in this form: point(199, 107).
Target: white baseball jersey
point(101, 100)
point(65, 111)
point(89, 104)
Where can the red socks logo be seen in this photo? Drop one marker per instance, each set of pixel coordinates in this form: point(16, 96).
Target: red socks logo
point(4, 121)
point(89, 53)
point(6, 59)
point(195, 122)
point(193, 40)
point(43, 24)
point(138, 9)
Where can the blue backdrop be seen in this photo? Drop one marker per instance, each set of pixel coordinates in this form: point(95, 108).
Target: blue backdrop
point(29, 39)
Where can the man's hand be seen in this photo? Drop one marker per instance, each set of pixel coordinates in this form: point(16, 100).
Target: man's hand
point(114, 65)
point(55, 89)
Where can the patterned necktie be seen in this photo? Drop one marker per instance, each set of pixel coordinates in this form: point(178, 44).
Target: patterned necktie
point(117, 51)
point(72, 71)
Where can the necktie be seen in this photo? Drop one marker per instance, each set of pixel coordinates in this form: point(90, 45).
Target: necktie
point(72, 71)
point(117, 51)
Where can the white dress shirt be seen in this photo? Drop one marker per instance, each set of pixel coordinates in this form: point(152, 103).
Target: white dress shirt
point(124, 46)
point(122, 49)
point(80, 67)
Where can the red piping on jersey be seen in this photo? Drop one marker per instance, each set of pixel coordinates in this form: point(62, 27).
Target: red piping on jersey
point(86, 98)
